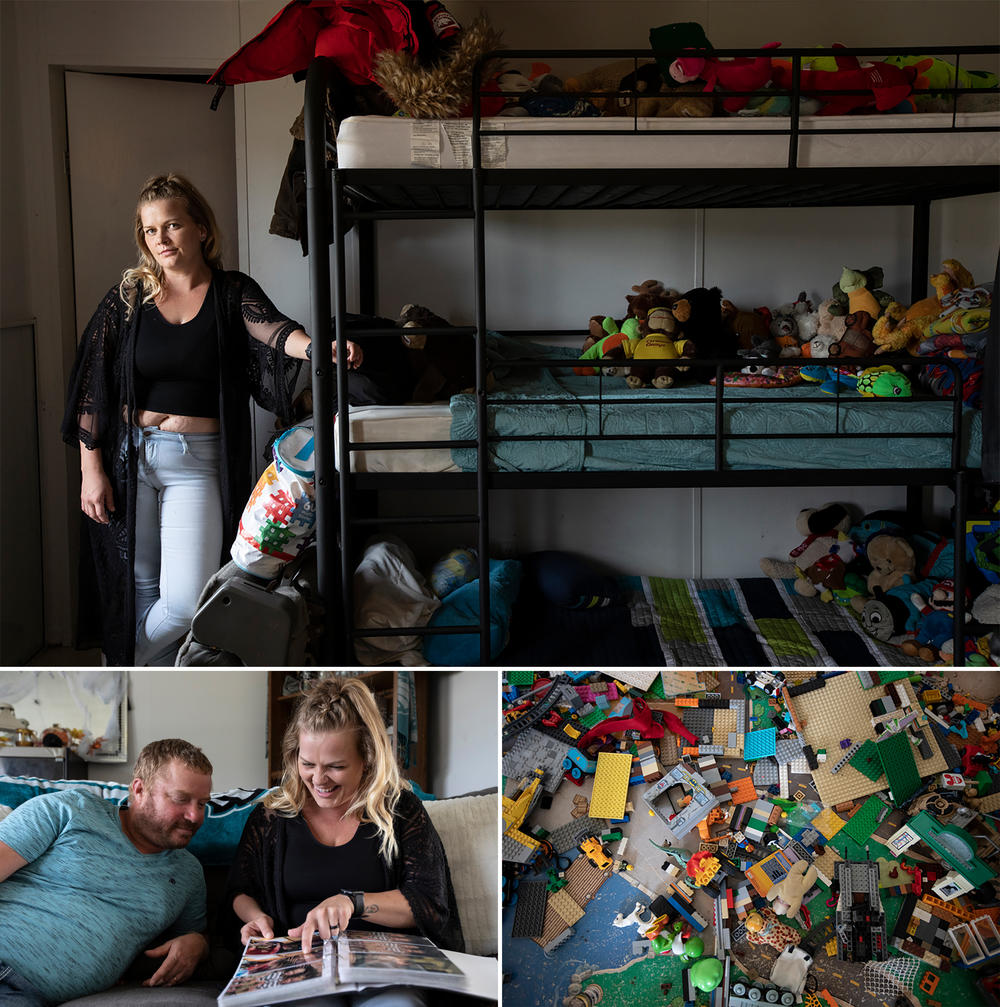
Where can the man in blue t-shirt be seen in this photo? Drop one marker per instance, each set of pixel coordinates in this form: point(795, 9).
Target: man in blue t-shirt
point(86, 885)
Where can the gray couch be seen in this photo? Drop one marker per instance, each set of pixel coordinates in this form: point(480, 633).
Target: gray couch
point(468, 829)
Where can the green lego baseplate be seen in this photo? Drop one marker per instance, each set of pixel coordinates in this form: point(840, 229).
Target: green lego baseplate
point(896, 753)
point(520, 676)
point(866, 761)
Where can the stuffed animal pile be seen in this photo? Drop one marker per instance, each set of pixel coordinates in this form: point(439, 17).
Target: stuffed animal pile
point(897, 581)
point(859, 320)
point(661, 324)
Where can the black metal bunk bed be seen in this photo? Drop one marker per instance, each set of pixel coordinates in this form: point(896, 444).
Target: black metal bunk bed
point(360, 197)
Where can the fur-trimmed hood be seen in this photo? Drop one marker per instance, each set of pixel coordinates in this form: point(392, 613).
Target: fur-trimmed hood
point(442, 90)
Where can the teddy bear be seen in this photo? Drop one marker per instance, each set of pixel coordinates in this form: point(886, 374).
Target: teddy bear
point(749, 328)
point(893, 562)
point(650, 99)
point(786, 896)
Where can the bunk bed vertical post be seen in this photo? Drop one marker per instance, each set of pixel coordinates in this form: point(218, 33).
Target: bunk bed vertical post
point(482, 446)
point(367, 284)
point(317, 221)
point(919, 255)
point(793, 113)
point(958, 658)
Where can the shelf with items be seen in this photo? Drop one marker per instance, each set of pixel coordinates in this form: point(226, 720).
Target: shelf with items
point(44, 762)
point(285, 688)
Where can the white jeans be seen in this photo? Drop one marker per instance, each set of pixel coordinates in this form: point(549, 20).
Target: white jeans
point(178, 536)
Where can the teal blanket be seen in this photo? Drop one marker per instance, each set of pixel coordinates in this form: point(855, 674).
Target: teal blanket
point(687, 411)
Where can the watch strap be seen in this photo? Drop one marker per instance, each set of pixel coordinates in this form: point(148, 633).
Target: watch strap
point(357, 901)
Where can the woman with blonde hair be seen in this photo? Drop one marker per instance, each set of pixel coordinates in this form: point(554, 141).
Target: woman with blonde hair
point(343, 843)
point(159, 406)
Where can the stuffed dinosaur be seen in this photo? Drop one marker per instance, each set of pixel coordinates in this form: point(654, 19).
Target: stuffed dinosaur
point(739, 73)
point(877, 85)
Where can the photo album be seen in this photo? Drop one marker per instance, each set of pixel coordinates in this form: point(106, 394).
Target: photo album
point(280, 969)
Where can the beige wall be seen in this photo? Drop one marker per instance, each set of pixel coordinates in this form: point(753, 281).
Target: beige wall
point(38, 38)
point(731, 23)
point(224, 712)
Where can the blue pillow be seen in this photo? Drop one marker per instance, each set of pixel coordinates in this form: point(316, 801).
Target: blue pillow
point(214, 844)
point(461, 608)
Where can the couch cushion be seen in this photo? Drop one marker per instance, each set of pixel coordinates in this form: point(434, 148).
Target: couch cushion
point(214, 844)
point(189, 995)
point(468, 828)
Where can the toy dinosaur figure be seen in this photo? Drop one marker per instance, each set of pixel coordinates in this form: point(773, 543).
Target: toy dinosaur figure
point(680, 856)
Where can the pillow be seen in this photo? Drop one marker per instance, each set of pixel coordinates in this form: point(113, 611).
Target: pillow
point(214, 844)
point(455, 568)
point(468, 829)
point(461, 608)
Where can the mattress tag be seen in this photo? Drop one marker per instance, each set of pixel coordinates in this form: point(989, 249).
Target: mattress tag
point(459, 133)
point(425, 144)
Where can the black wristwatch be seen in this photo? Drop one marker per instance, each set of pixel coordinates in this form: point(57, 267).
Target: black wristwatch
point(357, 901)
point(309, 350)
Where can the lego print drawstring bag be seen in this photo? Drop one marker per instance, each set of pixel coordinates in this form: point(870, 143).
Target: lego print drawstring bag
point(279, 519)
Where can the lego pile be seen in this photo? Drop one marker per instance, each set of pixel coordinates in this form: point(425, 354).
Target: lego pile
point(798, 837)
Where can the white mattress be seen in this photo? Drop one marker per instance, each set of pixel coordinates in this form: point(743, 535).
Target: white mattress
point(431, 422)
point(391, 142)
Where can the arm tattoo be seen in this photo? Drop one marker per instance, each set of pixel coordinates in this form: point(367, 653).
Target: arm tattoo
point(370, 909)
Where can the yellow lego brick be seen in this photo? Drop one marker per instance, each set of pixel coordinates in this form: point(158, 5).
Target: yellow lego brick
point(828, 823)
point(831, 947)
point(610, 785)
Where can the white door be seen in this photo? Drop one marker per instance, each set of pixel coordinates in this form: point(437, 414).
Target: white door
point(121, 131)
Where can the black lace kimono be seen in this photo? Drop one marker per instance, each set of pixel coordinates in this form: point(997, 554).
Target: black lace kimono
point(420, 871)
point(252, 335)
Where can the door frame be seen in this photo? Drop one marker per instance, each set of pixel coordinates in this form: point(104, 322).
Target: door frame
point(60, 476)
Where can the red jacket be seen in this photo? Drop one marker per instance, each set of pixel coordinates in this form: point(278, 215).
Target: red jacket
point(349, 33)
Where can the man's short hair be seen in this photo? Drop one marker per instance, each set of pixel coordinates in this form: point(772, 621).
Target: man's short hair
point(157, 754)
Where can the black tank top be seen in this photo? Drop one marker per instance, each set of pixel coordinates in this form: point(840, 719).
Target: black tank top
point(177, 366)
point(313, 872)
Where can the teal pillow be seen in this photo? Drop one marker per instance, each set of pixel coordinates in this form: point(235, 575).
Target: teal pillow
point(214, 844)
point(461, 608)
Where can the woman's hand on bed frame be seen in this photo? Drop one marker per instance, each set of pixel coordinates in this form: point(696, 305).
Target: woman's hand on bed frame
point(299, 345)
